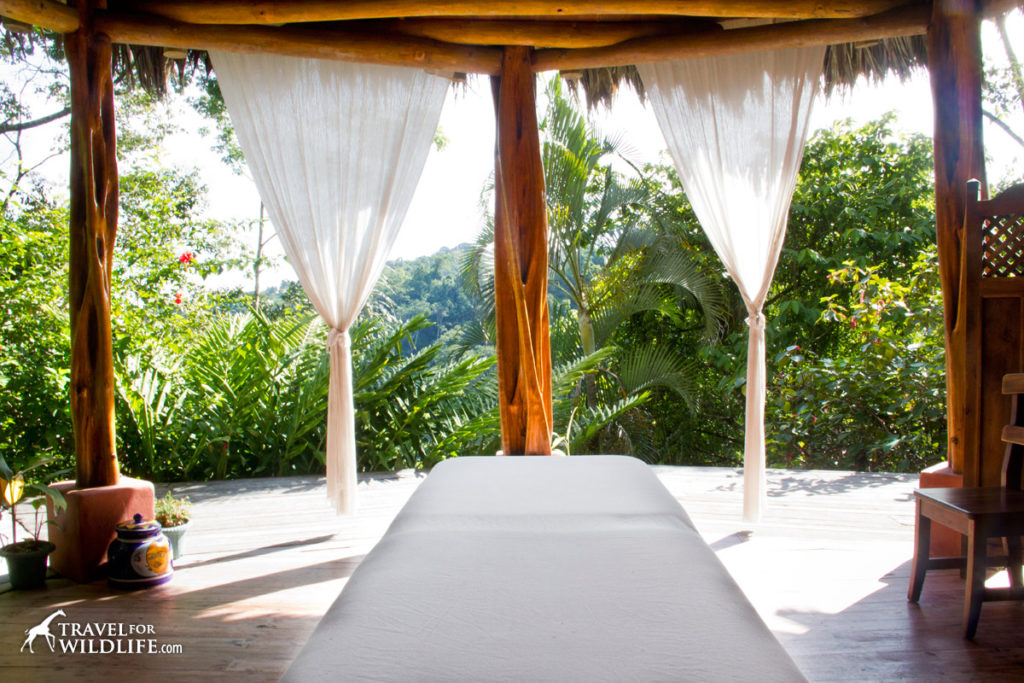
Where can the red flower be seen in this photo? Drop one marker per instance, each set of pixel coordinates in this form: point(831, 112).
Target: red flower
point(177, 298)
point(187, 258)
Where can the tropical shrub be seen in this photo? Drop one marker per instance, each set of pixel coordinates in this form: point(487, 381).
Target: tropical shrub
point(35, 416)
point(609, 261)
point(849, 387)
point(879, 405)
point(250, 399)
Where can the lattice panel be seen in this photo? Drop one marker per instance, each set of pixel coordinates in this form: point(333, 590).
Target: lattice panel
point(1003, 240)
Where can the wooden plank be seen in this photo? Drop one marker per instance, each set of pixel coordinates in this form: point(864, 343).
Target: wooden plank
point(1012, 433)
point(93, 228)
point(1000, 355)
point(521, 263)
point(302, 42)
point(954, 56)
point(994, 287)
point(1013, 383)
point(1009, 201)
point(46, 14)
point(907, 21)
point(827, 569)
point(275, 12)
point(965, 355)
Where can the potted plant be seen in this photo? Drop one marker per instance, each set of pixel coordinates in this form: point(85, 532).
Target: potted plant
point(26, 559)
point(175, 516)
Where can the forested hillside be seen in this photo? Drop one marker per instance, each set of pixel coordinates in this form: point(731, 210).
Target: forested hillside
point(430, 286)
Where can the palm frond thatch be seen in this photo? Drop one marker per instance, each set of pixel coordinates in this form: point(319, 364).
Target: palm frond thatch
point(900, 57)
point(844, 64)
point(599, 86)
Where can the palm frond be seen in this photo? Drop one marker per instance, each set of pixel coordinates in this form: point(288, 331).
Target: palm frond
point(646, 367)
point(592, 420)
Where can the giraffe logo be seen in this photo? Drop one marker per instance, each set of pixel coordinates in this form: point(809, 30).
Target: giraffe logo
point(43, 629)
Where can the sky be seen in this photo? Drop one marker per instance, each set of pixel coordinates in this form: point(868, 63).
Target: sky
point(447, 209)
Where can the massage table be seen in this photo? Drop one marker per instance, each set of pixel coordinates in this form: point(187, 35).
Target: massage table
point(561, 569)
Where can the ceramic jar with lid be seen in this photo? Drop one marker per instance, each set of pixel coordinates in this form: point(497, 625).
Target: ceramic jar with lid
point(140, 556)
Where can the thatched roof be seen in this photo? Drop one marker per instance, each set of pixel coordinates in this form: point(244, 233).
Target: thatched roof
point(844, 64)
point(874, 59)
point(147, 67)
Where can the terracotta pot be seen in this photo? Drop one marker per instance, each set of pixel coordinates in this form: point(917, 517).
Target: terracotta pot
point(26, 563)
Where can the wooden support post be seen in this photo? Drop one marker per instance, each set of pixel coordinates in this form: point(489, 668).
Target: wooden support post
point(521, 263)
point(93, 227)
point(954, 60)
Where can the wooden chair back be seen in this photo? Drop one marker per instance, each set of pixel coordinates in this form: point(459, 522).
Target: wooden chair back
point(988, 338)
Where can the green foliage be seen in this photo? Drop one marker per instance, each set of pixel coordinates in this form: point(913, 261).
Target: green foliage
point(864, 197)
point(428, 286)
point(249, 398)
point(163, 254)
point(413, 408)
point(14, 490)
point(610, 261)
point(34, 331)
point(879, 404)
point(849, 387)
point(170, 511)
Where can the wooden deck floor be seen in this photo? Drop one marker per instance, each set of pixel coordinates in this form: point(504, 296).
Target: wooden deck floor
point(827, 570)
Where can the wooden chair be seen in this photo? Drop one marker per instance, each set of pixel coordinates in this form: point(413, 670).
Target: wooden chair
point(987, 341)
point(979, 514)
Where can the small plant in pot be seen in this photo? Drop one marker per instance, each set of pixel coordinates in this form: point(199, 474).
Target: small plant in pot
point(26, 559)
point(175, 516)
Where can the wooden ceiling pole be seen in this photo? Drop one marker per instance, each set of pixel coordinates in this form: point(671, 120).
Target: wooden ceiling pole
point(521, 262)
point(93, 227)
point(955, 66)
point(441, 43)
point(298, 11)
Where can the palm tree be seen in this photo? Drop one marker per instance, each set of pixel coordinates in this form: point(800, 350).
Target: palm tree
point(610, 259)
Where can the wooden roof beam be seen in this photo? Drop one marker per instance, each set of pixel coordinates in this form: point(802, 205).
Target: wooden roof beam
point(901, 22)
point(301, 42)
point(44, 13)
point(301, 11)
point(416, 51)
point(535, 33)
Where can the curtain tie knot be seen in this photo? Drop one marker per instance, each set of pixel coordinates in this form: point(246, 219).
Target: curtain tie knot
point(756, 320)
point(340, 338)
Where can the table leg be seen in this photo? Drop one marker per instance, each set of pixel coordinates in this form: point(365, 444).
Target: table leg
point(977, 551)
point(1013, 567)
point(922, 543)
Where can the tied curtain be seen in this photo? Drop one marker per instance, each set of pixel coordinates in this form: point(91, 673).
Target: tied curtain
point(736, 127)
point(336, 151)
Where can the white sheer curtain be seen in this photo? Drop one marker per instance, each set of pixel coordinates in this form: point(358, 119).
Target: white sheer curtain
point(336, 150)
point(736, 127)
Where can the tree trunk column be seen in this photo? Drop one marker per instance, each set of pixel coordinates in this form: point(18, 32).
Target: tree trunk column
point(93, 226)
point(954, 61)
point(521, 263)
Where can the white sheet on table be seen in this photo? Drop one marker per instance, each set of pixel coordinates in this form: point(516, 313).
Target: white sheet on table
point(542, 569)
